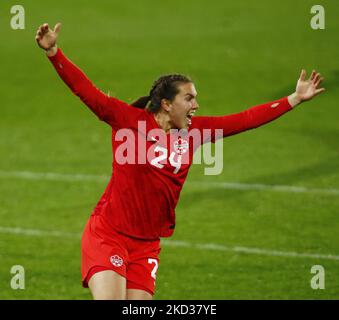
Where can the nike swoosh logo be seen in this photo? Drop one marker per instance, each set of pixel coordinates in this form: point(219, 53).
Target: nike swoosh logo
point(153, 139)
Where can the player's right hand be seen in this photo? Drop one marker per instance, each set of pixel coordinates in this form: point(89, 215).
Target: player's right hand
point(46, 37)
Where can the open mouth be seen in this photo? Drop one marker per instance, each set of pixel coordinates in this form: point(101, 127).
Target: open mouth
point(189, 117)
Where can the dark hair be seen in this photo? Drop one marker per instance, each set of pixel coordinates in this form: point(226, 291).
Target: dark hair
point(166, 87)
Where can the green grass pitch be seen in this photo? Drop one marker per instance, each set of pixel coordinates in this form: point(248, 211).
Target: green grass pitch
point(239, 53)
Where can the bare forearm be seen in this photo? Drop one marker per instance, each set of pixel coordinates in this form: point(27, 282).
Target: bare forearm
point(52, 51)
point(294, 99)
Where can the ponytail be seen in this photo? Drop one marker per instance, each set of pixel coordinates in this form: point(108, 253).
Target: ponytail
point(142, 102)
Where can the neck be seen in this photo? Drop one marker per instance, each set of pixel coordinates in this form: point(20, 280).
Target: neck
point(163, 121)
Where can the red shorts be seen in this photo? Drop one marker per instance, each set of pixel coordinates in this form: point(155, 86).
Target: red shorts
point(105, 249)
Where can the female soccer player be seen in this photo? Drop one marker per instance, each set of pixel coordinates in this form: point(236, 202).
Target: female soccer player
point(121, 240)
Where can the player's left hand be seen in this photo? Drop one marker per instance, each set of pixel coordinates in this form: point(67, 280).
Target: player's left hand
point(308, 89)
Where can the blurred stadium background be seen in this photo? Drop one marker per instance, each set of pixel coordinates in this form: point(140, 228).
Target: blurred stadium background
point(232, 241)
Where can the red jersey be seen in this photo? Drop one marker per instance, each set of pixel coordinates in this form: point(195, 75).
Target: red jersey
point(141, 196)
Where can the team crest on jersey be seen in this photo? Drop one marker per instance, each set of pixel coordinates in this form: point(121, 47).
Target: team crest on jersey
point(180, 146)
point(116, 261)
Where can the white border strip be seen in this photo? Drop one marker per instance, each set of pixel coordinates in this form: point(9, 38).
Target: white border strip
point(266, 187)
point(183, 244)
point(220, 185)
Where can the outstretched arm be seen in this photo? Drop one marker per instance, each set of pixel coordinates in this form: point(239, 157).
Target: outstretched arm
point(105, 107)
point(261, 114)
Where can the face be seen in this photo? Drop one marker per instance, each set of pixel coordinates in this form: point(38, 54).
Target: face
point(183, 107)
